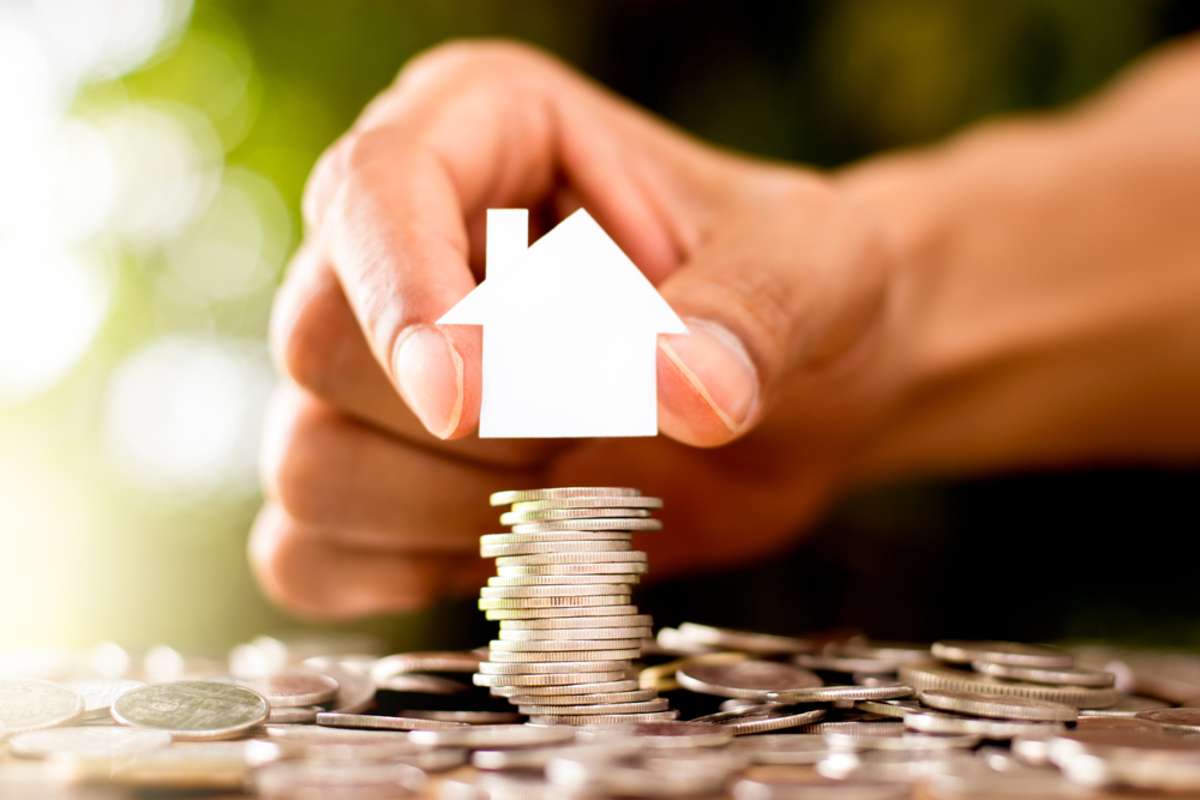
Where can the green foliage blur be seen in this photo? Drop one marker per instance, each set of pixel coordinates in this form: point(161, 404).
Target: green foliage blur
point(273, 82)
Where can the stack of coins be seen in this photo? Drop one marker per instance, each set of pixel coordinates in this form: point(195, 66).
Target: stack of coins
point(569, 633)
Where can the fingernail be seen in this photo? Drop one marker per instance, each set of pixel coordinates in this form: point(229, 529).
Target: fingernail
point(718, 366)
point(429, 373)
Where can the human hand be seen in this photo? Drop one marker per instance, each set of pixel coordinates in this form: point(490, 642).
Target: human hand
point(376, 496)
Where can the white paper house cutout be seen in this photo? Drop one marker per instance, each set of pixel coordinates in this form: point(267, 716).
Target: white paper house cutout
point(570, 328)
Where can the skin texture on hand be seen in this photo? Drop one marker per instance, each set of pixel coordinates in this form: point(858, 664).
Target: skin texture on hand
point(377, 488)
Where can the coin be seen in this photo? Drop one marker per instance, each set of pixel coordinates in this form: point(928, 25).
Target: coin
point(599, 621)
point(1127, 706)
point(287, 780)
point(937, 722)
point(747, 641)
point(828, 694)
point(635, 635)
point(762, 719)
point(531, 668)
point(1177, 719)
point(513, 680)
point(782, 788)
point(192, 709)
point(1011, 653)
point(603, 719)
point(574, 612)
point(554, 548)
point(561, 570)
point(90, 742)
point(333, 719)
point(425, 661)
point(554, 601)
point(294, 688)
point(749, 679)
point(589, 525)
point(565, 645)
point(98, 693)
point(593, 558)
point(557, 514)
point(549, 537)
point(908, 742)
point(469, 717)
point(598, 501)
point(585, 590)
point(564, 656)
point(784, 748)
point(356, 690)
point(562, 580)
point(1060, 676)
point(30, 705)
point(601, 698)
point(937, 677)
point(509, 496)
point(631, 707)
point(981, 705)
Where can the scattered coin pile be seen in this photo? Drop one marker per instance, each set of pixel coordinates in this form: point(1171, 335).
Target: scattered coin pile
point(569, 632)
point(763, 717)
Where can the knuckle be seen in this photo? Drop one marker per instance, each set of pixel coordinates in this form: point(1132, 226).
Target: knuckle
point(306, 336)
point(322, 183)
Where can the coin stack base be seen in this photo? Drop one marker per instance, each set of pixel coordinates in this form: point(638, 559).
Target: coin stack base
point(569, 631)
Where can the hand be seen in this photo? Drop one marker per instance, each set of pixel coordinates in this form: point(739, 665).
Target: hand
point(376, 496)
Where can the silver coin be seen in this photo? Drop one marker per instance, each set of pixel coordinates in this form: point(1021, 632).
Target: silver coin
point(745, 641)
point(981, 705)
point(780, 788)
point(584, 590)
point(88, 742)
point(469, 717)
point(668, 735)
point(1127, 706)
point(562, 580)
point(635, 635)
point(561, 558)
point(634, 695)
point(556, 645)
point(937, 722)
point(295, 715)
point(192, 709)
point(522, 681)
point(937, 677)
point(293, 688)
point(835, 662)
point(567, 690)
point(575, 612)
point(561, 514)
point(570, 570)
point(554, 548)
point(590, 525)
point(632, 707)
point(332, 719)
point(749, 679)
point(564, 656)
point(633, 620)
point(536, 758)
point(880, 728)
point(98, 693)
point(509, 496)
point(550, 537)
point(829, 694)
point(30, 705)
point(889, 652)
point(560, 667)
point(1013, 653)
point(1061, 676)
point(494, 736)
point(784, 748)
point(557, 601)
point(1186, 720)
point(629, 501)
point(762, 719)
point(603, 719)
point(891, 766)
point(908, 742)
point(888, 708)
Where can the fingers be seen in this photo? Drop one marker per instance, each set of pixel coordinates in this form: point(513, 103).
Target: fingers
point(472, 126)
point(319, 578)
point(765, 301)
point(349, 481)
point(317, 343)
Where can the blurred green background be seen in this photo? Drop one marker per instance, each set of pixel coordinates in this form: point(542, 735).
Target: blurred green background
point(152, 157)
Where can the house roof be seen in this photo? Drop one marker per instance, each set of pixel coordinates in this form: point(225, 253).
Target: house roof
point(574, 275)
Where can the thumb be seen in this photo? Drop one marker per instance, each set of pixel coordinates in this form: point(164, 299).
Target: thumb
point(766, 299)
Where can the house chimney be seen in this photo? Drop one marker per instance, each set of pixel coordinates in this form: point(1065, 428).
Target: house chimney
point(507, 239)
